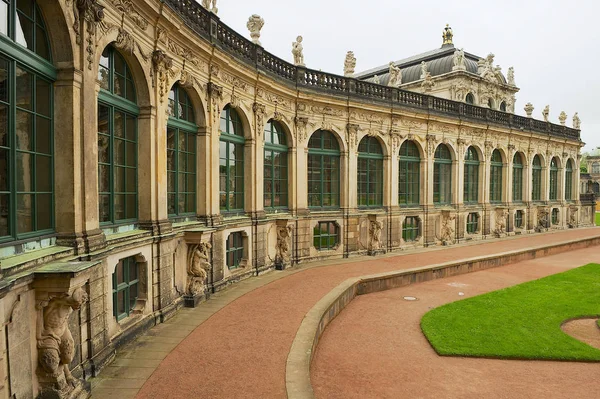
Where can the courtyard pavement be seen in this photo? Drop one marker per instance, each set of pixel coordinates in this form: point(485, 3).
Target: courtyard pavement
point(236, 344)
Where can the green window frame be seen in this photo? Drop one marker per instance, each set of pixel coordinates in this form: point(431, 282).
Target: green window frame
point(370, 173)
point(410, 229)
point(553, 195)
point(181, 154)
point(442, 176)
point(536, 179)
point(555, 215)
point(472, 223)
point(496, 166)
point(117, 141)
point(275, 167)
point(471, 176)
point(231, 162)
point(569, 181)
point(125, 283)
point(409, 175)
point(517, 183)
point(519, 219)
point(326, 236)
point(234, 250)
point(323, 171)
point(26, 123)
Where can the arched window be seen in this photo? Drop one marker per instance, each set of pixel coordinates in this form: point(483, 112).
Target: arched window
point(536, 179)
point(470, 99)
point(569, 181)
point(491, 104)
point(26, 123)
point(323, 170)
point(276, 167)
point(503, 106)
point(117, 140)
point(517, 183)
point(496, 177)
point(442, 176)
point(471, 184)
point(553, 179)
point(370, 173)
point(231, 162)
point(409, 175)
point(181, 154)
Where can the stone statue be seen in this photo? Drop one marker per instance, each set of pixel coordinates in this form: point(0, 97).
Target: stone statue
point(349, 64)
point(198, 263)
point(375, 235)
point(284, 234)
point(529, 109)
point(55, 344)
point(423, 69)
point(447, 229)
point(573, 217)
point(501, 215)
point(562, 118)
point(510, 76)
point(428, 82)
point(510, 105)
point(485, 68)
point(376, 80)
point(254, 25)
point(542, 219)
point(297, 52)
point(395, 76)
point(447, 35)
point(546, 113)
point(459, 61)
point(210, 5)
point(576, 121)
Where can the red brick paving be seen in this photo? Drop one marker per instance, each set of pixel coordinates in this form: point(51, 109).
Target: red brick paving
point(241, 351)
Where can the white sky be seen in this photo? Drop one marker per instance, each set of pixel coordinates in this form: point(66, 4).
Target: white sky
point(554, 45)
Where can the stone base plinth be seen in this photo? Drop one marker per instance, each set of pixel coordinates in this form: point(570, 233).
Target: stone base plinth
point(191, 301)
point(375, 252)
point(82, 390)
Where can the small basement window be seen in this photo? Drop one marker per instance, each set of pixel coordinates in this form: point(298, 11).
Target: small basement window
point(326, 236)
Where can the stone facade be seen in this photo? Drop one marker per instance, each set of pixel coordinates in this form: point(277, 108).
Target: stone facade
point(71, 296)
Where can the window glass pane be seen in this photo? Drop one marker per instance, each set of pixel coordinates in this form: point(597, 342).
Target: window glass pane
point(24, 31)
point(24, 213)
point(4, 216)
point(3, 18)
point(25, 172)
point(43, 173)
point(41, 43)
point(3, 78)
point(24, 130)
point(4, 139)
point(23, 89)
point(121, 303)
point(4, 170)
point(44, 211)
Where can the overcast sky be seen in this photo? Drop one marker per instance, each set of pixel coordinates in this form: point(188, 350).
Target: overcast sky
point(553, 45)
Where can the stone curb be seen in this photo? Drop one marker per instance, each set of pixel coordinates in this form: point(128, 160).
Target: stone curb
point(297, 373)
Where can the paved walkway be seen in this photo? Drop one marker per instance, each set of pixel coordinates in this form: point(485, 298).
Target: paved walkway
point(375, 347)
point(236, 344)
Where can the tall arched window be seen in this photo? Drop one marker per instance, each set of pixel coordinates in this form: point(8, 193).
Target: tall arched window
point(181, 154)
point(276, 167)
point(517, 183)
point(470, 99)
point(442, 176)
point(553, 179)
point(323, 170)
point(26, 123)
point(409, 175)
point(496, 177)
point(536, 179)
point(231, 162)
point(471, 184)
point(569, 181)
point(117, 140)
point(370, 173)
point(503, 106)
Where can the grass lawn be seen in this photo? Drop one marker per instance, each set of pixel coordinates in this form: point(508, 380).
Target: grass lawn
point(521, 322)
point(597, 218)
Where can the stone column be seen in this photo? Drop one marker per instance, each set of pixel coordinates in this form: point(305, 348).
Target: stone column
point(204, 187)
point(215, 94)
point(507, 175)
point(301, 163)
point(389, 186)
point(251, 176)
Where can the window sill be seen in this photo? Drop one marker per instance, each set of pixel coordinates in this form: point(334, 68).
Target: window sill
point(117, 237)
point(34, 257)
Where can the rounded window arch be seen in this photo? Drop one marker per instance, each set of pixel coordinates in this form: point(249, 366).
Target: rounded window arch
point(536, 179)
point(23, 23)
point(370, 173)
point(409, 169)
point(470, 98)
point(181, 154)
point(569, 180)
point(553, 179)
point(323, 170)
point(491, 103)
point(231, 161)
point(471, 176)
point(117, 141)
point(496, 166)
point(275, 167)
point(442, 175)
point(517, 183)
point(503, 106)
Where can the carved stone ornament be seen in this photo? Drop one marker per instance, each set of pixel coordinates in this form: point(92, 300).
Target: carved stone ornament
point(127, 8)
point(297, 52)
point(254, 25)
point(562, 118)
point(92, 14)
point(349, 64)
point(500, 223)
point(423, 70)
point(215, 93)
point(210, 5)
point(546, 113)
point(375, 228)
point(259, 116)
point(573, 216)
point(447, 228)
point(459, 61)
point(284, 238)
point(353, 129)
point(431, 144)
point(428, 82)
point(395, 76)
point(127, 43)
point(529, 109)
point(162, 70)
point(55, 344)
point(510, 76)
point(542, 216)
point(301, 123)
point(576, 121)
point(197, 265)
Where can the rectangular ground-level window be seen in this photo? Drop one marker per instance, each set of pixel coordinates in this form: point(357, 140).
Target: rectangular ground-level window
point(519, 219)
point(234, 251)
point(554, 215)
point(125, 287)
point(410, 228)
point(326, 236)
point(472, 223)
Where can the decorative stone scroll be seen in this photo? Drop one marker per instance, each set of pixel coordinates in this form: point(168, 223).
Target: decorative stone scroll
point(216, 97)
point(162, 71)
point(93, 14)
point(259, 117)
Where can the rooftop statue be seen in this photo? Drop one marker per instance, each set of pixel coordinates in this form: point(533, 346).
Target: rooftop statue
point(423, 69)
point(376, 80)
point(529, 109)
point(395, 76)
point(428, 82)
point(546, 113)
point(447, 35)
point(297, 52)
point(459, 60)
point(210, 5)
point(562, 118)
point(254, 25)
point(349, 64)
point(576, 121)
point(510, 77)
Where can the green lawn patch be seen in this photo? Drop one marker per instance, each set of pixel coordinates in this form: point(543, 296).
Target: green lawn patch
point(519, 322)
point(597, 218)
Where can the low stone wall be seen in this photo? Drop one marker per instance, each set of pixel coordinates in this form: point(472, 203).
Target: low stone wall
point(313, 325)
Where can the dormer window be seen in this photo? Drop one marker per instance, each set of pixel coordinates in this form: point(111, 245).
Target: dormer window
point(470, 99)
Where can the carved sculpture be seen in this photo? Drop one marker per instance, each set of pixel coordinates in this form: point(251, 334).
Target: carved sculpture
point(297, 52)
point(542, 215)
point(573, 217)
point(529, 109)
point(447, 35)
point(423, 70)
point(284, 235)
point(254, 25)
point(375, 228)
point(485, 68)
point(510, 76)
point(349, 64)
point(447, 229)
point(55, 344)
point(376, 80)
point(428, 82)
point(546, 113)
point(576, 121)
point(395, 76)
point(562, 118)
point(500, 227)
point(210, 5)
point(459, 61)
point(198, 264)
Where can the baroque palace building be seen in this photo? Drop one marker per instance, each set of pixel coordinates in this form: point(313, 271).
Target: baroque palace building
point(150, 156)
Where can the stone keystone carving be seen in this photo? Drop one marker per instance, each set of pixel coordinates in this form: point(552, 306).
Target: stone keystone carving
point(459, 61)
point(349, 64)
point(284, 236)
point(375, 228)
point(55, 344)
point(562, 118)
point(546, 113)
point(297, 50)
point(501, 215)
point(254, 25)
point(576, 122)
point(210, 5)
point(198, 264)
point(510, 76)
point(395, 76)
point(529, 109)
